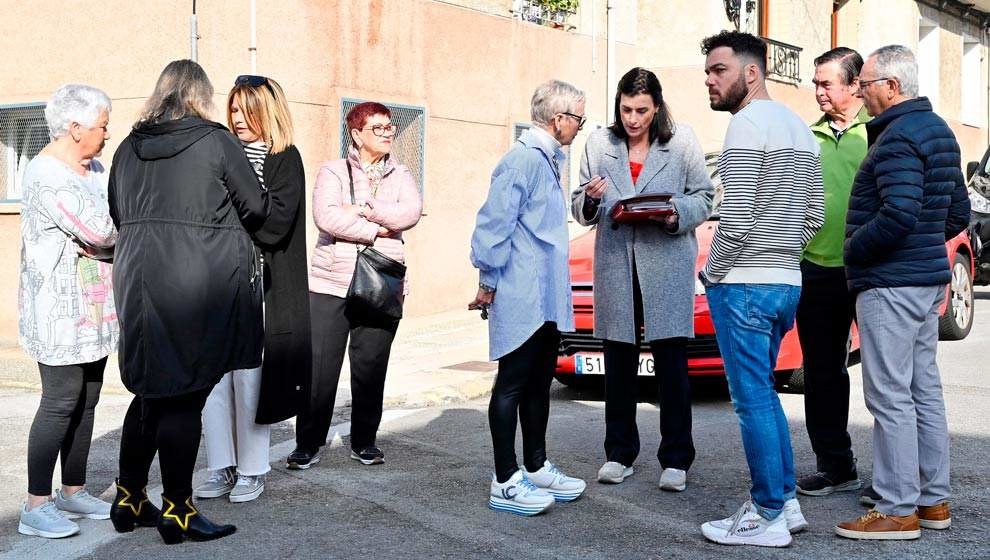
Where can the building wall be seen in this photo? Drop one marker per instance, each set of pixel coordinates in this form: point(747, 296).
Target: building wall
point(466, 62)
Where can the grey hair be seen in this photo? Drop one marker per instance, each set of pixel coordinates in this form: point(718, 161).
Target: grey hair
point(74, 103)
point(551, 98)
point(898, 62)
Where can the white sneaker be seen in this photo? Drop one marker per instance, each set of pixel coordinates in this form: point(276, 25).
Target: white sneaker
point(247, 488)
point(563, 488)
point(614, 473)
point(674, 480)
point(795, 519)
point(747, 527)
point(519, 496)
point(46, 521)
point(82, 504)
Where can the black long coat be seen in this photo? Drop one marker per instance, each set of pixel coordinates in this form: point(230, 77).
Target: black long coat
point(285, 374)
point(182, 194)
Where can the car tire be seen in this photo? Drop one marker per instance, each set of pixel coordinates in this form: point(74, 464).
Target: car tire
point(792, 382)
point(577, 381)
point(957, 320)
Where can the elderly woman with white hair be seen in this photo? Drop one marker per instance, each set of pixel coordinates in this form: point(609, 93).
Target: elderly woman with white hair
point(67, 319)
point(519, 247)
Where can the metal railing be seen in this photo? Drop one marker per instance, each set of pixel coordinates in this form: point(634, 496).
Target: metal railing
point(783, 60)
point(528, 10)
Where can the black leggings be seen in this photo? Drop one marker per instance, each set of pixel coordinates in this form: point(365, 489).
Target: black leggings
point(522, 389)
point(63, 424)
point(172, 427)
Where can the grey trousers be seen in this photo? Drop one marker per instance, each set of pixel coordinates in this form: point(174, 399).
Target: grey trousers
point(898, 330)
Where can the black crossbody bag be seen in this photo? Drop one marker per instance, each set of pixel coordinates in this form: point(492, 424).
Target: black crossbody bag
point(376, 287)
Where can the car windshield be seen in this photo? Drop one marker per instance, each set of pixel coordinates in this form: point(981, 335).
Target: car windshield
point(711, 161)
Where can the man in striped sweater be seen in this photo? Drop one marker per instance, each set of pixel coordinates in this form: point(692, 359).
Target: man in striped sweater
point(772, 205)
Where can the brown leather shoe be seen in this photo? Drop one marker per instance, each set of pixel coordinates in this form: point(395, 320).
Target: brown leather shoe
point(877, 526)
point(935, 517)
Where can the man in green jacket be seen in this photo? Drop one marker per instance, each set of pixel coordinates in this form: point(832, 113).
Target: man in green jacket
point(826, 308)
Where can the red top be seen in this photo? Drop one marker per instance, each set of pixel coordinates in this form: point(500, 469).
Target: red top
point(635, 168)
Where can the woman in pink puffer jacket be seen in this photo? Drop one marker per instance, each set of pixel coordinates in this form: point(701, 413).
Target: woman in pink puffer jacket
point(386, 203)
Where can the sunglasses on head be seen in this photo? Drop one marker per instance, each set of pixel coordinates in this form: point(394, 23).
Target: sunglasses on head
point(253, 81)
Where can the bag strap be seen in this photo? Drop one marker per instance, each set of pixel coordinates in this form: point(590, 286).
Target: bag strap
point(350, 179)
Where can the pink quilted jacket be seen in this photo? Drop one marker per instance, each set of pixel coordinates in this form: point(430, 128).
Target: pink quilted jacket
point(397, 206)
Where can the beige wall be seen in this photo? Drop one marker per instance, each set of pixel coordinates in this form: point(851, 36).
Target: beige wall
point(471, 67)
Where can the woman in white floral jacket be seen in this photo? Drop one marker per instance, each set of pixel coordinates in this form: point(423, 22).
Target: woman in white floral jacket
point(68, 322)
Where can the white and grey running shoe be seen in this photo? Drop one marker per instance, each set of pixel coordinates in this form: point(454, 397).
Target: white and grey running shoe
point(220, 483)
point(747, 527)
point(518, 496)
point(46, 521)
point(563, 488)
point(82, 504)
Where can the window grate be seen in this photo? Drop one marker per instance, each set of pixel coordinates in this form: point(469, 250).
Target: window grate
point(408, 145)
point(23, 133)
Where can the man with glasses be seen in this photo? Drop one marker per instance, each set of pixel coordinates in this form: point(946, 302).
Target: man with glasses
point(520, 248)
point(907, 199)
point(826, 309)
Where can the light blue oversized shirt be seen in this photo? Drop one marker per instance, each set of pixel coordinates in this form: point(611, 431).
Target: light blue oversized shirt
point(520, 244)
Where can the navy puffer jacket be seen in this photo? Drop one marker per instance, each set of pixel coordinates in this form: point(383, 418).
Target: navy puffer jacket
point(908, 198)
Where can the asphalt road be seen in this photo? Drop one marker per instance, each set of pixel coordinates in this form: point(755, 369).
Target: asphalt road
point(429, 499)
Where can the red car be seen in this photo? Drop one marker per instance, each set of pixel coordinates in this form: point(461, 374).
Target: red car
point(581, 353)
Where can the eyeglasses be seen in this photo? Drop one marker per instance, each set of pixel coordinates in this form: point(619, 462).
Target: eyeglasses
point(581, 120)
point(253, 81)
point(382, 129)
point(864, 83)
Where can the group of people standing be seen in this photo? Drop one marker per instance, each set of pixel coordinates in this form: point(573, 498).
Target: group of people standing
point(190, 256)
point(844, 220)
point(222, 329)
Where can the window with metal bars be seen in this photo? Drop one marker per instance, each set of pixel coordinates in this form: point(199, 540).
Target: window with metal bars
point(408, 145)
point(23, 133)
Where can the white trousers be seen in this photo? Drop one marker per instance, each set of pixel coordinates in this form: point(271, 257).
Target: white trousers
point(232, 436)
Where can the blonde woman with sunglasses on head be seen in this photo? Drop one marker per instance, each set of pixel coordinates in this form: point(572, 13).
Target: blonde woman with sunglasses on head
point(244, 404)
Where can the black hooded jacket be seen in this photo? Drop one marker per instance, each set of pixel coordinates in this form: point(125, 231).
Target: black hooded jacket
point(184, 197)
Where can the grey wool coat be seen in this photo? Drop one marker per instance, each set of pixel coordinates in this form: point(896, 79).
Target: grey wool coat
point(663, 262)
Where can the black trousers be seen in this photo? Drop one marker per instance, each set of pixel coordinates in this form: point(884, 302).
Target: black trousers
point(170, 426)
point(824, 317)
point(522, 389)
point(368, 343)
point(63, 424)
point(622, 394)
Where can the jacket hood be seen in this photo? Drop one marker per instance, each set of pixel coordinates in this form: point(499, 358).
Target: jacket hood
point(880, 123)
point(167, 139)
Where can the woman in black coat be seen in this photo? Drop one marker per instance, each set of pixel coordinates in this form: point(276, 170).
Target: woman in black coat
point(238, 412)
point(188, 291)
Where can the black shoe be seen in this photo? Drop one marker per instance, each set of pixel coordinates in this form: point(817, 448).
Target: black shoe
point(823, 483)
point(370, 455)
point(132, 508)
point(181, 520)
point(869, 497)
point(302, 459)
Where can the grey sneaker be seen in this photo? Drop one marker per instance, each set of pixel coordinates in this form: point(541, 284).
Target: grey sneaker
point(614, 473)
point(247, 488)
point(46, 521)
point(82, 504)
point(674, 480)
point(220, 483)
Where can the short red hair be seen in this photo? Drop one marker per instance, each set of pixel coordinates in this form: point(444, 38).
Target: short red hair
point(358, 116)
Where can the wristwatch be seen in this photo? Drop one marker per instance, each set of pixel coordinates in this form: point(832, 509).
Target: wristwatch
point(486, 288)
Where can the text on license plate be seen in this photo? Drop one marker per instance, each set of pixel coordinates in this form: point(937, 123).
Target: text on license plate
point(594, 364)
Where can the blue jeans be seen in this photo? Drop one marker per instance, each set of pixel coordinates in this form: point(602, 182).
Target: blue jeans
point(750, 321)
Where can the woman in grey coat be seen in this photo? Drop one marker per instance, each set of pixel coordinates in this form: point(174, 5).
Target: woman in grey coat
point(644, 272)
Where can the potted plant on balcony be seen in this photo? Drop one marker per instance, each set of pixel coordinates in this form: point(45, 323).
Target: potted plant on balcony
point(556, 12)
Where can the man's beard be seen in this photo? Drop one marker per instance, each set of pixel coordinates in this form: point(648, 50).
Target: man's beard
point(732, 98)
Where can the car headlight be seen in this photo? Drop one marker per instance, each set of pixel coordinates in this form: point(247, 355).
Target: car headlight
point(699, 288)
point(978, 202)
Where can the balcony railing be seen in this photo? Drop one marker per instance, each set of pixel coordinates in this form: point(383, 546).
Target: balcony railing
point(528, 10)
point(783, 61)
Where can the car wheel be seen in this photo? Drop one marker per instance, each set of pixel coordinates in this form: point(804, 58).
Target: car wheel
point(957, 320)
point(792, 382)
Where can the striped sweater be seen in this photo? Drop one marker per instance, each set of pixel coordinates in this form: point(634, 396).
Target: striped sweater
point(773, 202)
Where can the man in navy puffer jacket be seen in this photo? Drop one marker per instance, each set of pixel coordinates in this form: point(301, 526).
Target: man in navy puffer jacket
point(907, 199)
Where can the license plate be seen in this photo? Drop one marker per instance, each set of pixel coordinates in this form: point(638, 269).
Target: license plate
point(594, 364)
